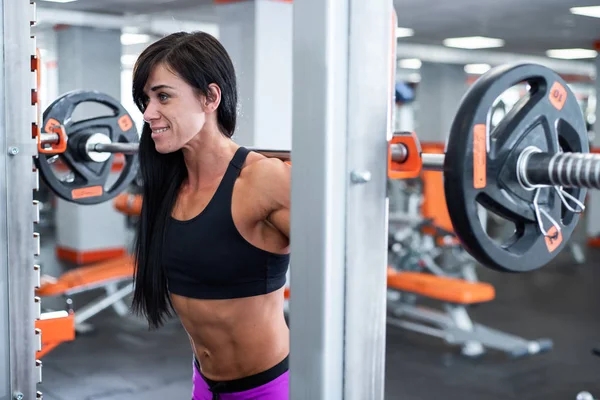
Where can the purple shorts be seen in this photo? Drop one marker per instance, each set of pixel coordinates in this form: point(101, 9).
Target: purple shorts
point(272, 384)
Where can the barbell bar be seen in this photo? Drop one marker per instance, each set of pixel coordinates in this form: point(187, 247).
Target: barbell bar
point(532, 169)
point(399, 151)
point(100, 143)
point(569, 170)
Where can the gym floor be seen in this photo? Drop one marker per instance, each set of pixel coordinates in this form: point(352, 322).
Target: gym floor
point(121, 359)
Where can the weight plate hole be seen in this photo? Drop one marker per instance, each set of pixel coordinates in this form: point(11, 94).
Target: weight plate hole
point(90, 109)
point(500, 230)
point(511, 99)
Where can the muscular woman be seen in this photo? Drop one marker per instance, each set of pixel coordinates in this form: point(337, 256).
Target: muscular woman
point(212, 244)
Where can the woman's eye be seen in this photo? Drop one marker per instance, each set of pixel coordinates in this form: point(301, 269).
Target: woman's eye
point(163, 97)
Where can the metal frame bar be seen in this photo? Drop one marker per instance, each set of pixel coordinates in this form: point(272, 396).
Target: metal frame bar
point(456, 327)
point(372, 67)
point(318, 198)
point(111, 299)
point(4, 312)
point(343, 74)
point(17, 237)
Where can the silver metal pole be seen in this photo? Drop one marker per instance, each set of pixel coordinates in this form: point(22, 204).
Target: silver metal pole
point(94, 146)
point(561, 169)
point(16, 202)
point(370, 108)
point(4, 297)
point(84, 313)
point(48, 138)
point(344, 61)
point(318, 199)
point(124, 148)
point(433, 162)
point(399, 152)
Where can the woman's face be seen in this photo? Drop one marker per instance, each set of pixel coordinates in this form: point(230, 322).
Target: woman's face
point(174, 110)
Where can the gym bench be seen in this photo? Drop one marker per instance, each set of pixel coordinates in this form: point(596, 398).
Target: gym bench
point(106, 275)
point(454, 325)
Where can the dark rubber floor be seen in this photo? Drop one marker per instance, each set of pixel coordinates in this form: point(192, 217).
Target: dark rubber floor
point(121, 359)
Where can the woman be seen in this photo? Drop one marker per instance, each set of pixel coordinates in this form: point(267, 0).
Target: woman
point(213, 239)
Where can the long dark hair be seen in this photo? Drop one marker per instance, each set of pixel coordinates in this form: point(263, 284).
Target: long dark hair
point(199, 59)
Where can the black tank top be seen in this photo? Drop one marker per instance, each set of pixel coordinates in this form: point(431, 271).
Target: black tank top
point(207, 258)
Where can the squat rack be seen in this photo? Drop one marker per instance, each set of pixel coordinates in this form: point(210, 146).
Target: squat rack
point(344, 67)
point(19, 309)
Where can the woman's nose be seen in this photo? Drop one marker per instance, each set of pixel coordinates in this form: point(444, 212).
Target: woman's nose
point(150, 113)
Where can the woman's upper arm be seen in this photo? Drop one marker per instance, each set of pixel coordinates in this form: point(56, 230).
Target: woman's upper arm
point(274, 181)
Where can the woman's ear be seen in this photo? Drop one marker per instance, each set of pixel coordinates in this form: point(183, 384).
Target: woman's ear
point(212, 101)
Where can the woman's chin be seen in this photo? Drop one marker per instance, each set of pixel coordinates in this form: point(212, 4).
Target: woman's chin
point(162, 147)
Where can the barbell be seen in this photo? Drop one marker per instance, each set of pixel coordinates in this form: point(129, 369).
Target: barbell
point(533, 168)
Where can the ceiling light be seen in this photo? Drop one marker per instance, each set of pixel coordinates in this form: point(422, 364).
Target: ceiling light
point(60, 1)
point(571, 54)
point(592, 11)
point(477, 69)
point(134, 38)
point(404, 32)
point(473, 42)
point(410, 63)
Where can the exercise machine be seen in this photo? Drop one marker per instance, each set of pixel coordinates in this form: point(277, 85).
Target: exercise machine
point(420, 235)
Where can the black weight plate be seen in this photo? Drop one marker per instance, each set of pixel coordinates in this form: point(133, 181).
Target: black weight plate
point(480, 166)
point(88, 183)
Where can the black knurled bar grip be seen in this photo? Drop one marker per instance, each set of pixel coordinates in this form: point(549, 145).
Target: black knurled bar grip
point(570, 170)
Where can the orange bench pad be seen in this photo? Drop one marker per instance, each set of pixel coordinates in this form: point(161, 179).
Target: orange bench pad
point(451, 290)
point(118, 268)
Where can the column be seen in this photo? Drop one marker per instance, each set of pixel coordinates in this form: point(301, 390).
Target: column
point(89, 59)
point(258, 36)
point(438, 97)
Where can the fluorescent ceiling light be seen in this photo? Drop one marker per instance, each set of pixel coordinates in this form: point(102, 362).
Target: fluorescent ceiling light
point(571, 54)
point(60, 1)
point(404, 32)
point(134, 38)
point(592, 11)
point(473, 42)
point(410, 63)
point(477, 69)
